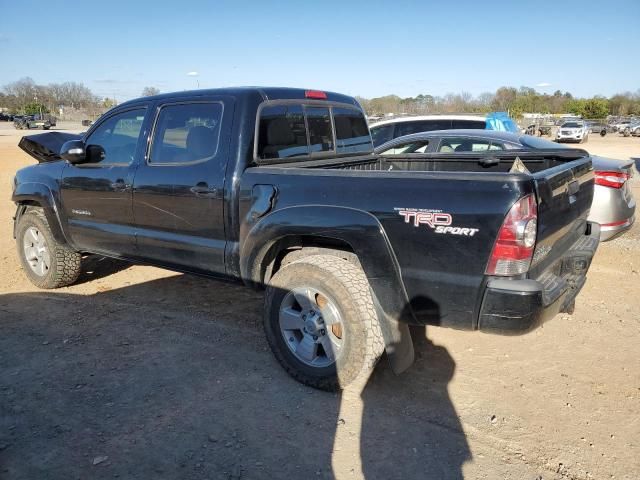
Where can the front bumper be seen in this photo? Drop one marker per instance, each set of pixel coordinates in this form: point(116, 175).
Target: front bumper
point(513, 307)
point(569, 138)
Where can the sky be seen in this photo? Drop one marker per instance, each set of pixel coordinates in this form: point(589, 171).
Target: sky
point(370, 48)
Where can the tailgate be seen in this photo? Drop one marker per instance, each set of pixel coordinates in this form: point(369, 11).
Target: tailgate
point(564, 195)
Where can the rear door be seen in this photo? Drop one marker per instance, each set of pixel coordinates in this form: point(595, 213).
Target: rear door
point(178, 190)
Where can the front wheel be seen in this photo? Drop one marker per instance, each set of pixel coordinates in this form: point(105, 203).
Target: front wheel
point(321, 323)
point(47, 263)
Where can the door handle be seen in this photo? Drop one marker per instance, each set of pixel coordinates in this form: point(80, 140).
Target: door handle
point(204, 191)
point(120, 186)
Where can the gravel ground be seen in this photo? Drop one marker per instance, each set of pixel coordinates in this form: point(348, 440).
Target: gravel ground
point(137, 372)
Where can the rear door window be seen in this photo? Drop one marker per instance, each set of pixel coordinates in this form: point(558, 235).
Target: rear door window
point(186, 133)
point(462, 144)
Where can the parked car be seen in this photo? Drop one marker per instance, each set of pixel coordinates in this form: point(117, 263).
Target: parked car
point(572, 132)
point(386, 130)
point(4, 117)
point(27, 122)
point(620, 126)
point(613, 204)
point(597, 127)
point(279, 188)
point(632, 129)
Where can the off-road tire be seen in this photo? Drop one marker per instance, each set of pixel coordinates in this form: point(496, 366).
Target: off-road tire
point(65, 262)
point(349, 290)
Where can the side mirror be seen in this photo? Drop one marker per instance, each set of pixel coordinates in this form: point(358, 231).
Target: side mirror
point(73, 152)
point(94, 154)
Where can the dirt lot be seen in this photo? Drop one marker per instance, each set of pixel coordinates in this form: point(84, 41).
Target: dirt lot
point(137, 372)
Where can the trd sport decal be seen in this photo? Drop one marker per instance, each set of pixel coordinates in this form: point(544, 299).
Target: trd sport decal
point(438, 220)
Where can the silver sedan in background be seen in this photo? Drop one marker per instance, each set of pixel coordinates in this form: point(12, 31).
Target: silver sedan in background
point(613, 205)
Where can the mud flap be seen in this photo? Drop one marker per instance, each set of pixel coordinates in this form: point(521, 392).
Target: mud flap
point(397, 340)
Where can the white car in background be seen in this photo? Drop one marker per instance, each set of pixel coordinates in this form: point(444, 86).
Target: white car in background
point(387, 130)
point(573, 132)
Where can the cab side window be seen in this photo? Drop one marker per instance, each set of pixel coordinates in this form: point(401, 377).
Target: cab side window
point(114, 141)
point(186, 133)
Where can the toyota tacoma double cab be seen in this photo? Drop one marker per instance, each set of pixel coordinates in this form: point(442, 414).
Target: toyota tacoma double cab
point(279, 189)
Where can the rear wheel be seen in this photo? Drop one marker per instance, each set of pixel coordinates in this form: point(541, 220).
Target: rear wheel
point(320, 322)
point(47, 263)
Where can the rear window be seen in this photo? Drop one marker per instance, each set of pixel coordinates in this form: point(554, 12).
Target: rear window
point(469, 124)
point(320, 132)
point(287, 131)
point(352, 134)
point(407, 128)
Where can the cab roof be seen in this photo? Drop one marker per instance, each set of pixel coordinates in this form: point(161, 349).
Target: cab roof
point(267, 93)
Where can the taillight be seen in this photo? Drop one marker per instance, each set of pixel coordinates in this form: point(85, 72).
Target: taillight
point(611, 179)
point(512, 252)
point(317, 94)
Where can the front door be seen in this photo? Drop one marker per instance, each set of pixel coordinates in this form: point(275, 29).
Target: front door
point(96, 195)
point(179, 190)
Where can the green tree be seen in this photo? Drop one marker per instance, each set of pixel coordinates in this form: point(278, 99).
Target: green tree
point(34, 108)
point(596, 108)
point(576, 106)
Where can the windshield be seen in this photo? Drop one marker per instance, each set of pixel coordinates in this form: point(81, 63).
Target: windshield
point(571, 125)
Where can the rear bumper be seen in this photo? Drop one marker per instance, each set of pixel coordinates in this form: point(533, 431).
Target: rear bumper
point(609, 232)
point(512, 307)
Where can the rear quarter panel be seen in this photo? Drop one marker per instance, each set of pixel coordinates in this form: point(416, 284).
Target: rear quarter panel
point(442, 273)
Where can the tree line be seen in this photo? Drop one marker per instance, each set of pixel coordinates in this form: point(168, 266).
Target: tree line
point(506, 99)
point(27, 97)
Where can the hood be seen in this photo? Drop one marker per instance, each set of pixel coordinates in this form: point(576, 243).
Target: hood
point(610, 164)
point(45, 147)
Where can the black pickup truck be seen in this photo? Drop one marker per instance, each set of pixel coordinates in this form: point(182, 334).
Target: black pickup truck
point(278, 188)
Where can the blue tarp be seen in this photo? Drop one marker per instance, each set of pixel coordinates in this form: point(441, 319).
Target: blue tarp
point(501, 122)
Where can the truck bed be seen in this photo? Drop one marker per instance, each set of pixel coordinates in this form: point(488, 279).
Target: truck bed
point(494, 162)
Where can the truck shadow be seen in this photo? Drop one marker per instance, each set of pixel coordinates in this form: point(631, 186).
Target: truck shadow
point(97, 266)
point(172, 378)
